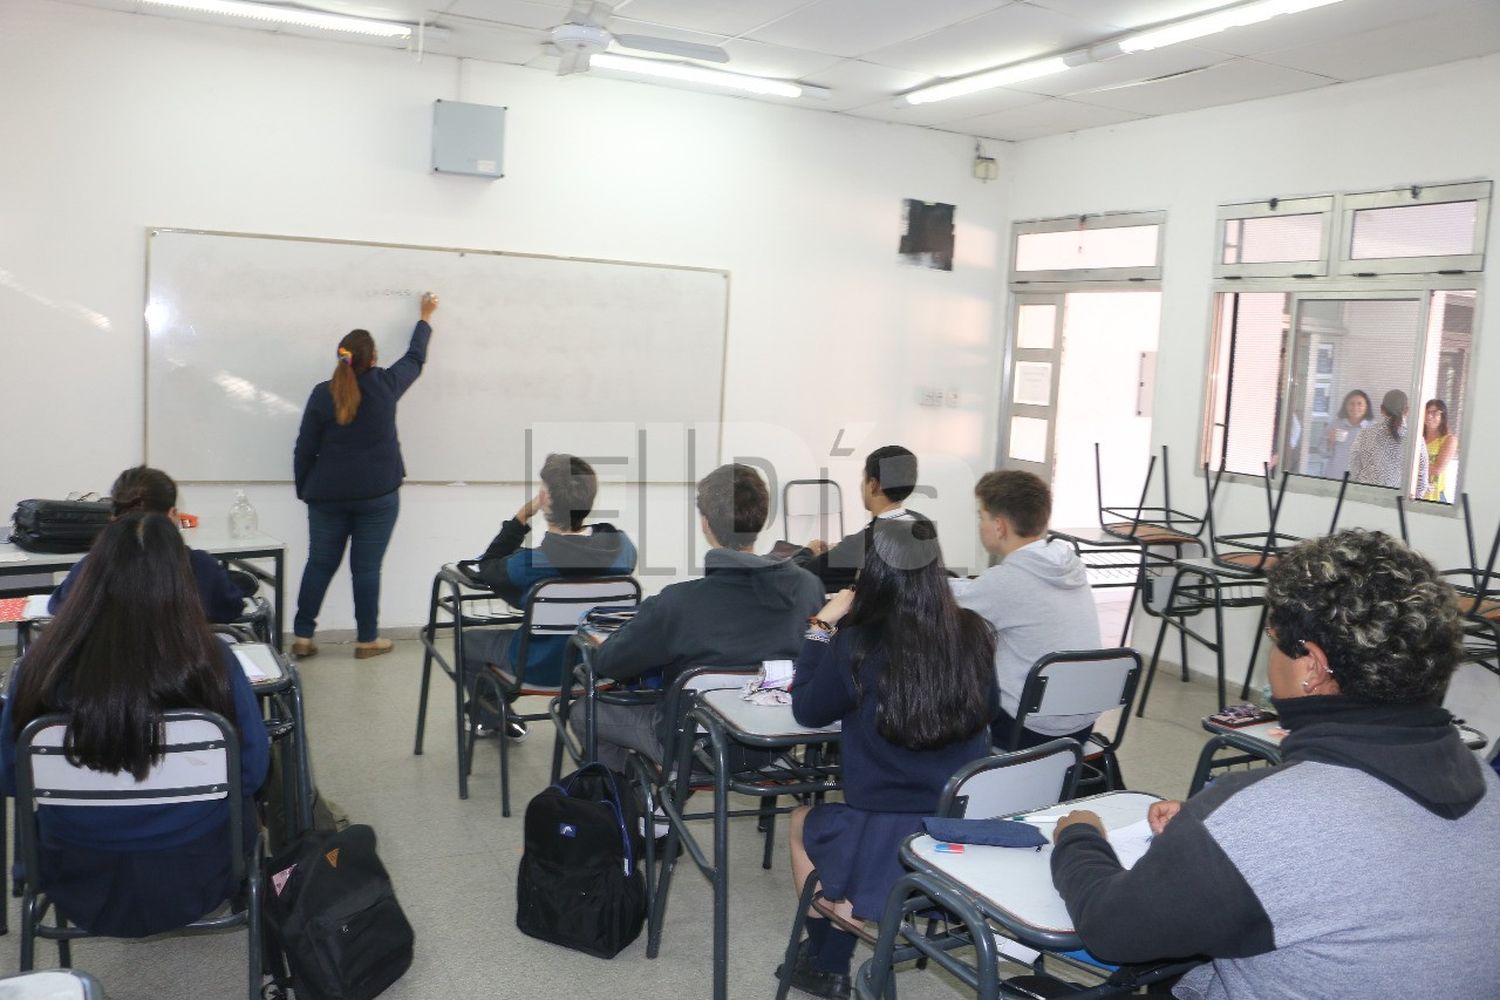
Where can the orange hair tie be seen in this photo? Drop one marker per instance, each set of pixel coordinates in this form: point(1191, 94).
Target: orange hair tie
point(346, 356)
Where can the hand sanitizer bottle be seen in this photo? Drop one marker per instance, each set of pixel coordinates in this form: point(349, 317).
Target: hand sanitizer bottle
point(243, 521)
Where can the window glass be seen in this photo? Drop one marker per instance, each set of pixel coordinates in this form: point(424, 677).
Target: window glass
point(1272, 238)
point(1445, 229)
point(1078, 249)
point(1445, 379)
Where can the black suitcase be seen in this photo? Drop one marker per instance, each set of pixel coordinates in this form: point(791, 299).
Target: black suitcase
point(59, 525)
point(331, 912)
point(581, 883)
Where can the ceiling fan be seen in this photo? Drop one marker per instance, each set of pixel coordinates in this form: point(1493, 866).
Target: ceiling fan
point(584, 35)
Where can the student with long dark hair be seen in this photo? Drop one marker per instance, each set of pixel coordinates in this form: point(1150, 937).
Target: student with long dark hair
point(148, 490)
point(130, 643)
point(1441, 445)
point(348, 469)
point(911, 676)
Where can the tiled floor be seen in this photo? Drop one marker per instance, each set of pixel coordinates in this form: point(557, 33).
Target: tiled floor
point(454, 862)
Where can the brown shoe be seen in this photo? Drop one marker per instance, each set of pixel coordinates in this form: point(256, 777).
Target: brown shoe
point(303, 648)
point(365, 650)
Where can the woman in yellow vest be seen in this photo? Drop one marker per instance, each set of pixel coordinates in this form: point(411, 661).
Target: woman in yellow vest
point(1442, 449)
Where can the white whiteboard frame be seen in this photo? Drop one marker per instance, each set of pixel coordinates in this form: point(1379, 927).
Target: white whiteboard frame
point(153, 231)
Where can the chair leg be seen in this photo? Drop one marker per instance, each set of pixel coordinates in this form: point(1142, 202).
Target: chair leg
point(64, 946)
point(252, 918)
point(1260, 628)
point(422, 700)
point(1183, 652)
point(1161, 637)
point(768, 824)
point(1219, 643)
point(799, 923)
point(28, 932)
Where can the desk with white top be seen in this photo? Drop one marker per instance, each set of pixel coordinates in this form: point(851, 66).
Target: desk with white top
point(241, 553)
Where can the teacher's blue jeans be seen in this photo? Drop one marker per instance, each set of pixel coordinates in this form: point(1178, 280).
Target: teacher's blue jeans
point(366, 525)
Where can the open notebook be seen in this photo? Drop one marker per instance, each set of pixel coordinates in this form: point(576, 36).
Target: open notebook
point(258, 663)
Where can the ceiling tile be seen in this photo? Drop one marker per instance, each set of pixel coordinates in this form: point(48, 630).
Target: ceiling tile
point(854, 83)
point(525, 13)
point(970, 106)
point(1324, 23)
point(1122, 14)
point(760, 59)
point(1007, 35)
point(1429, 41)
point(855, 27)
point(1226, 83)
point(1045, 118)
point(719, 17)
point(471, 39)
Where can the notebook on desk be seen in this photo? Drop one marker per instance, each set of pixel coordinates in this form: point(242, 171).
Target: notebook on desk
point(259, 663)
point(21, 609)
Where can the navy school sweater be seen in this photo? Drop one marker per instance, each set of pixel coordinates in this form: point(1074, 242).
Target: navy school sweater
point(879, 776)
point(361, 460)
point(222, 600)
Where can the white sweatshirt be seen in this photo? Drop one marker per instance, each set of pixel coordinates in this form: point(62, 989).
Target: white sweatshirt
point(1039, 602)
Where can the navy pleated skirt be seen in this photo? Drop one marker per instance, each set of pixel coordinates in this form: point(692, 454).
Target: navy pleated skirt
point(857, 853)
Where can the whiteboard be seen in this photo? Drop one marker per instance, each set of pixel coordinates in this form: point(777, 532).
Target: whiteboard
point(529, 354)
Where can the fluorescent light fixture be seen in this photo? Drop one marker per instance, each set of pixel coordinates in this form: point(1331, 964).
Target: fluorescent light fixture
point(989, 79)
point(1213, 23)
point(689, 73)
point(298, 16)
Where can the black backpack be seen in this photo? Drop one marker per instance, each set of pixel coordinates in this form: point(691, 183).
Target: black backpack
point(331, 912)
point(59, 525)
point(581, 884)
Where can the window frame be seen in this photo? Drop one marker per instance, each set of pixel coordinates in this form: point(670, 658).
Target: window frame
point(1417, 194)
point(1275, 208)
point(1344, 287)
point(1021, 280)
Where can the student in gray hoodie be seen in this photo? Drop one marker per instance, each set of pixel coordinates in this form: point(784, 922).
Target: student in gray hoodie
point(746, 608)
point(1038, 599)
point(1368, 863)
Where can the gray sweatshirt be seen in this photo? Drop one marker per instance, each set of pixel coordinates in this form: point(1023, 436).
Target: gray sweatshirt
point(1367, 865)
point(1039, 602)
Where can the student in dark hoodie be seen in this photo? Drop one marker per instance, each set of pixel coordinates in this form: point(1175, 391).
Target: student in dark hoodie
point(568, 548)
point(746, 608)
point(1368, 863)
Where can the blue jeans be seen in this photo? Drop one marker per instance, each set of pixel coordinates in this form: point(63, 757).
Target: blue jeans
point(366, 525)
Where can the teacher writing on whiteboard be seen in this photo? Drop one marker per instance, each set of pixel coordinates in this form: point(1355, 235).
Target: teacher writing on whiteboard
point(348, 470)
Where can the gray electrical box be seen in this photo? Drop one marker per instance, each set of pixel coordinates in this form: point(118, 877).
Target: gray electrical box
point(468, 139)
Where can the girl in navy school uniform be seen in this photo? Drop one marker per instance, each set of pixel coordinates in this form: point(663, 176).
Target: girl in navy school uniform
point(911, 676)
point(149, 490)
point(130, 643)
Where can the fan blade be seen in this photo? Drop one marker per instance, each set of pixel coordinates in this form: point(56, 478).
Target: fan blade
point(573, 61)
point(672, 47)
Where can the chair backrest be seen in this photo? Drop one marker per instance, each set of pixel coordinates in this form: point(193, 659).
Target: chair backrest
point(815, 505)
point(555, 606)
point(1081, 682)
point(1009, 783)
point(200, 763)
point(681, 694)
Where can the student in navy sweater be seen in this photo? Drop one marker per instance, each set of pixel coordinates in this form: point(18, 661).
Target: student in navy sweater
point(568, 548)
point(347, 466)
point(130, 643)
point(151, 490)
point(911, 676)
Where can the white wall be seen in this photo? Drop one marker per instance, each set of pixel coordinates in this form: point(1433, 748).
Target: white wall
point(1423, 127)
point(116, 122)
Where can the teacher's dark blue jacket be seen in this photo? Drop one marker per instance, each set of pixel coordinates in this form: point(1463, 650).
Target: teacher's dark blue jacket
point(363, 459)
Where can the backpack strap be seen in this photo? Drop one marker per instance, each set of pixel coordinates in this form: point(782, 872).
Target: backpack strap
point(614, 801)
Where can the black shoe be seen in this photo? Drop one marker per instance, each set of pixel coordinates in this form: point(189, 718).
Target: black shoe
point(829, 985)
point(515, 729)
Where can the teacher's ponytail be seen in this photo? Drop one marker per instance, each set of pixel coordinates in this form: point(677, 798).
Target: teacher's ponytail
point(356, 355)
